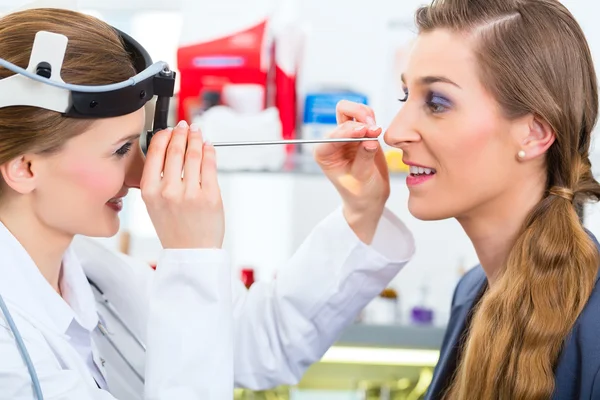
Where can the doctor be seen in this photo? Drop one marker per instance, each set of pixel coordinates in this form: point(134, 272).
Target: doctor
point(188, 330)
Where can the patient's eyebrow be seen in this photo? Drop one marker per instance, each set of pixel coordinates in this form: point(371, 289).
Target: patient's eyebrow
point(429, 79)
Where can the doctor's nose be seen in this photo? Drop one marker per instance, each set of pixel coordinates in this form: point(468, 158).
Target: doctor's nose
point(403, 130)
point(133, 176)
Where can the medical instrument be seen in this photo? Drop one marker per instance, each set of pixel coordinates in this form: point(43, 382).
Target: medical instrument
point(113, 311)
point(23, 350)
point(40, 85)
point(293, 141)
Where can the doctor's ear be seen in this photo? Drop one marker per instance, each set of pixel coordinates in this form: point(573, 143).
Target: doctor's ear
point(535, 138)
point(17, 175)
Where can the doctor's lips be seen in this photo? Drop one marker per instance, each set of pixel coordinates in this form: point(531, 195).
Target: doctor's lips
point(116, 203)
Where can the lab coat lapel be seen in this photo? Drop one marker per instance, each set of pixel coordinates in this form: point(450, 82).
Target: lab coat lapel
point(124, 283)
point(68, 356)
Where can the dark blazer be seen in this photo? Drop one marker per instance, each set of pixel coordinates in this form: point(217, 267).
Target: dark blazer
point(577, 374)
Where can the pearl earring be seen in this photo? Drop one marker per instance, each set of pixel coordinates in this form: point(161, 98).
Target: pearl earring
point(521, 154)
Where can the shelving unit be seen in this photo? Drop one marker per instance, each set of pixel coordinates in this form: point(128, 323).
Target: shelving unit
point(328, 377)
point(393, 336)
point(391, 345)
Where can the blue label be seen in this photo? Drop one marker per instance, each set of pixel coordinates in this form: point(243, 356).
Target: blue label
point(218, 62)
point(319, 108)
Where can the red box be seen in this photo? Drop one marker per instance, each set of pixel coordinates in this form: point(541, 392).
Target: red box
point(242, 57)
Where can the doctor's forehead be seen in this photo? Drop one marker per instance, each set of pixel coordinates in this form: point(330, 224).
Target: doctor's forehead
point(116, 129)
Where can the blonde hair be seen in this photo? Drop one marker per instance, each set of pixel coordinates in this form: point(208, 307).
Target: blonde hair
point(534, 59)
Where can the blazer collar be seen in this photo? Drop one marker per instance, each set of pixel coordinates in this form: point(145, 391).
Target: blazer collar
point(453, 341)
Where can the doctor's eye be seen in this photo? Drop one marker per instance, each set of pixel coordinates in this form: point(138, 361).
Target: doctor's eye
point(123, 150)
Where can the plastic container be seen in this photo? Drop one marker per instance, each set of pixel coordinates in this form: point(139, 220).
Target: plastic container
point(422, 313)
point(319, 112)
point(383, 310)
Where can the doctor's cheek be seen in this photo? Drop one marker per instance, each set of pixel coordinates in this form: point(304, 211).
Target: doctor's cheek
point(99, 181)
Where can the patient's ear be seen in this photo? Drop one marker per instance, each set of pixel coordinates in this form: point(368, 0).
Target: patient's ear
point(17, 174)
point(534, 138)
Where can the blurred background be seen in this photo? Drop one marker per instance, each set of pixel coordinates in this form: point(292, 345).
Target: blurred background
point(266, 69)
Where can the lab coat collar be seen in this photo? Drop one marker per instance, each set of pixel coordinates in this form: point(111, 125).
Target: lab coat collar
point(77, 292)
point(25, 288)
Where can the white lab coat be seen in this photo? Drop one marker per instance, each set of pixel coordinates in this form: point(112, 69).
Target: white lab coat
point(203, 330)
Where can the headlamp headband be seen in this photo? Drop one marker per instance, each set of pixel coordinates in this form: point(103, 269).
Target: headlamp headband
point(40, 85)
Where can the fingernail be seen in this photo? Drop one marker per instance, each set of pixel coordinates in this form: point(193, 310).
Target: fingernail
point(371, 149)
point(182, 124)
point(370, 121)
point(373, 128)
point(169, 130)
point(208, 142)
point(194, 127)
point(359, 128)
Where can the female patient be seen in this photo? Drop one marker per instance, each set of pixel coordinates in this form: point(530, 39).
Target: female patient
point(501, 99)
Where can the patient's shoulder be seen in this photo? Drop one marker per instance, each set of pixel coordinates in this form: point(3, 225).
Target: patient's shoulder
point(469, 284)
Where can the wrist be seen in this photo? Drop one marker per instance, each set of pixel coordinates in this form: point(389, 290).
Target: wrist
point(363, 222)
point(188, 243)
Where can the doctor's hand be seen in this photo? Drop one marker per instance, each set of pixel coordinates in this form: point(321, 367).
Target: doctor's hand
point(187, 212)
point(357, 170)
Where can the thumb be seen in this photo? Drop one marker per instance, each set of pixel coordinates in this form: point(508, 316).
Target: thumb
point(364, 161)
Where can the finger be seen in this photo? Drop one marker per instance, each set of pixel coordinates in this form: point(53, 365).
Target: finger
point(193, 158)
point(176, 153)
point(155, 159)
point(352, 129)
point(372, 145)
point(350, 111)
point(349, 129)
point(210, 182)
point(363, 164)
